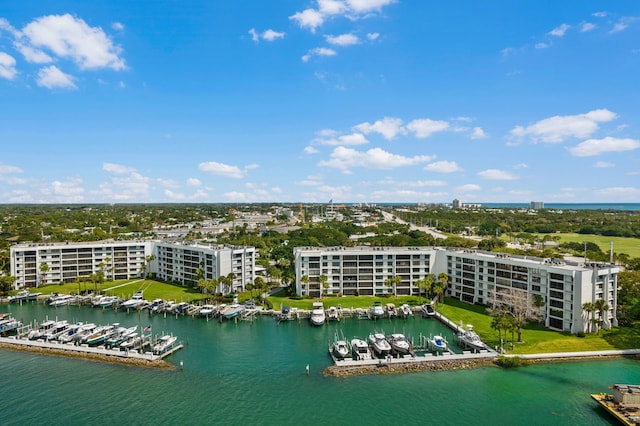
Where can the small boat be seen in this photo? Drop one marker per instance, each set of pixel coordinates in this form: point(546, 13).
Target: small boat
point(120, 335)
point(100, 334)
point(108, 301)
point(399, 343)
point(318, 315)
point(233, 310)
point(333, 314)
point(470, 339)
point(285, 314)
point(164, 344)
point(360, 349)
point(132, 342)
point(340, 348)
point(207, 310)
point(60, 300)
point(405, 311)
point(21, 296)
point(438, 344)
point(68, 335)
point(56, 330)
point(83, 333)
point(392, 312)
point(41, 330)
point(376, 311)
point(428, 310)
point(379, 344)
point(8, 323)
point(136, 300)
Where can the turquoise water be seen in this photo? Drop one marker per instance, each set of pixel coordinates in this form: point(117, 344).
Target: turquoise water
point(239, 373)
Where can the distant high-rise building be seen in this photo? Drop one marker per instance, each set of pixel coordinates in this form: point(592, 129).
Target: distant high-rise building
point(536, 205)
point(456, 203)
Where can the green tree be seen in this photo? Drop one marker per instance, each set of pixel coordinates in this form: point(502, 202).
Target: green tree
point(305, 283)
point(602, 307)
point(44, 268)
point(393, 282)
point(589, 308)
point(148, 259)
point(324, 285)
point(426, 284)
point(6, 283)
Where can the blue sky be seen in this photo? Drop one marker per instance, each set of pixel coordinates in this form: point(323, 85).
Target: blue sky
point(344, 100)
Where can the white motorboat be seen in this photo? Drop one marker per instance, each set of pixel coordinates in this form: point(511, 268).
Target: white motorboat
point(438, 344)
point(132, 342)
point(405, 311)
point(318, 316)
point(83, 332)
point(108, 301)
point(21, 296)
point(164, 344)
point(60, 300)
point(379, 344)
point(333, 314)
point(207, 310)
point(285, 314)
point(399, 343)
point(470, 339)
point(340, 349)
point(428, 310)
point(360, 349)
point(100, 334)
point(392, 312)
point(136, 300)
point(41, 330)
point(8, 324)
point(376, 311)
point(233, 310)
point(58, 328)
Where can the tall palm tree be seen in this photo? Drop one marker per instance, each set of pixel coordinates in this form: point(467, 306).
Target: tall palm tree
point(324, 285)
point(148, 259)
point(426, 284)
point(601, 306)
point(589, 308)
point(393, 282)
point(44, 268)
point(305, 280)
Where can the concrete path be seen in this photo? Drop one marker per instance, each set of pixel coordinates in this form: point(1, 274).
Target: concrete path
point(585, 354)
point(122, 285)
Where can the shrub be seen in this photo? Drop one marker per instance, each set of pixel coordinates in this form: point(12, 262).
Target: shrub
point(511, 362)
point(580, 334)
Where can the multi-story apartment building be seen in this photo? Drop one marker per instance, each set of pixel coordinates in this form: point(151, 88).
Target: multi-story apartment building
point(474, 277)
point(118, 260)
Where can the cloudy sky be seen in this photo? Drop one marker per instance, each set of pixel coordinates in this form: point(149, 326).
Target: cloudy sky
point(317, 100)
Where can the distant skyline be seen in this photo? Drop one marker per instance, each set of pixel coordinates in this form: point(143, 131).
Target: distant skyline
point(376, 101)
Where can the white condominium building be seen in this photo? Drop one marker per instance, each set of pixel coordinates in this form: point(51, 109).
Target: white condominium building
point(473, 277)
point(51, 263)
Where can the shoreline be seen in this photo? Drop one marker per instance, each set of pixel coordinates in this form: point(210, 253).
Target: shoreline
point(95, 357)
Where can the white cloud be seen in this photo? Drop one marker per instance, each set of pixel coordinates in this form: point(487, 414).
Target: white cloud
point(619, 26)
point(603, 165)
point(542, 45)
point(221, 169)
point(478, 133)
point(425, 183)
point(345, 158)
point(521, 166)
point(495, 174)
point(331, 7)
point(68, 191)
point(373, 36)
point(310, 150)
point(507, 51)
point(268, 35)
point(587, 26)
point(443, 167)
point(71, 37)
point(344, 140)
point(342, 39)
point(560, 30)
point(556, 129)
point(6, 169)
point(271, 35)
point(318, 51)
point(308, 18)
point(118, 26)
point(425, 127)
point(388, 127)
point(593, 147)
point(51, 77)
point(168, 183)
point(34, 56)
point(470, 187)
point(599, 14)
point(194, 182)
point(7, 66)
point(620, 193)
point(367, 6)
point(117, 169)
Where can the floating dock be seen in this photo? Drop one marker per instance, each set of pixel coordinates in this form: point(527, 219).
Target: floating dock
point(623, 416)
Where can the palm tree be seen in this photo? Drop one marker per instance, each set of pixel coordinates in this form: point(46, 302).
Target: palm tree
point(426, 284)
point(393, 282)
point(305, 280)
point(443, 280)
point(601, 306)
point(324, 285)
point(44, 268)
point(589, 308)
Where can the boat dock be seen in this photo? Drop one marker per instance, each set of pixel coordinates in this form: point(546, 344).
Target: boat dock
point(623, 405)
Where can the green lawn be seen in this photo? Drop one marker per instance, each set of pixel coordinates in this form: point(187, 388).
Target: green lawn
point(630, 246)
point(538, 339)
point(345, 301)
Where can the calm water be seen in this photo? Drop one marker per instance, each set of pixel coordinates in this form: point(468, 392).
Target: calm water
point(255, 373)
